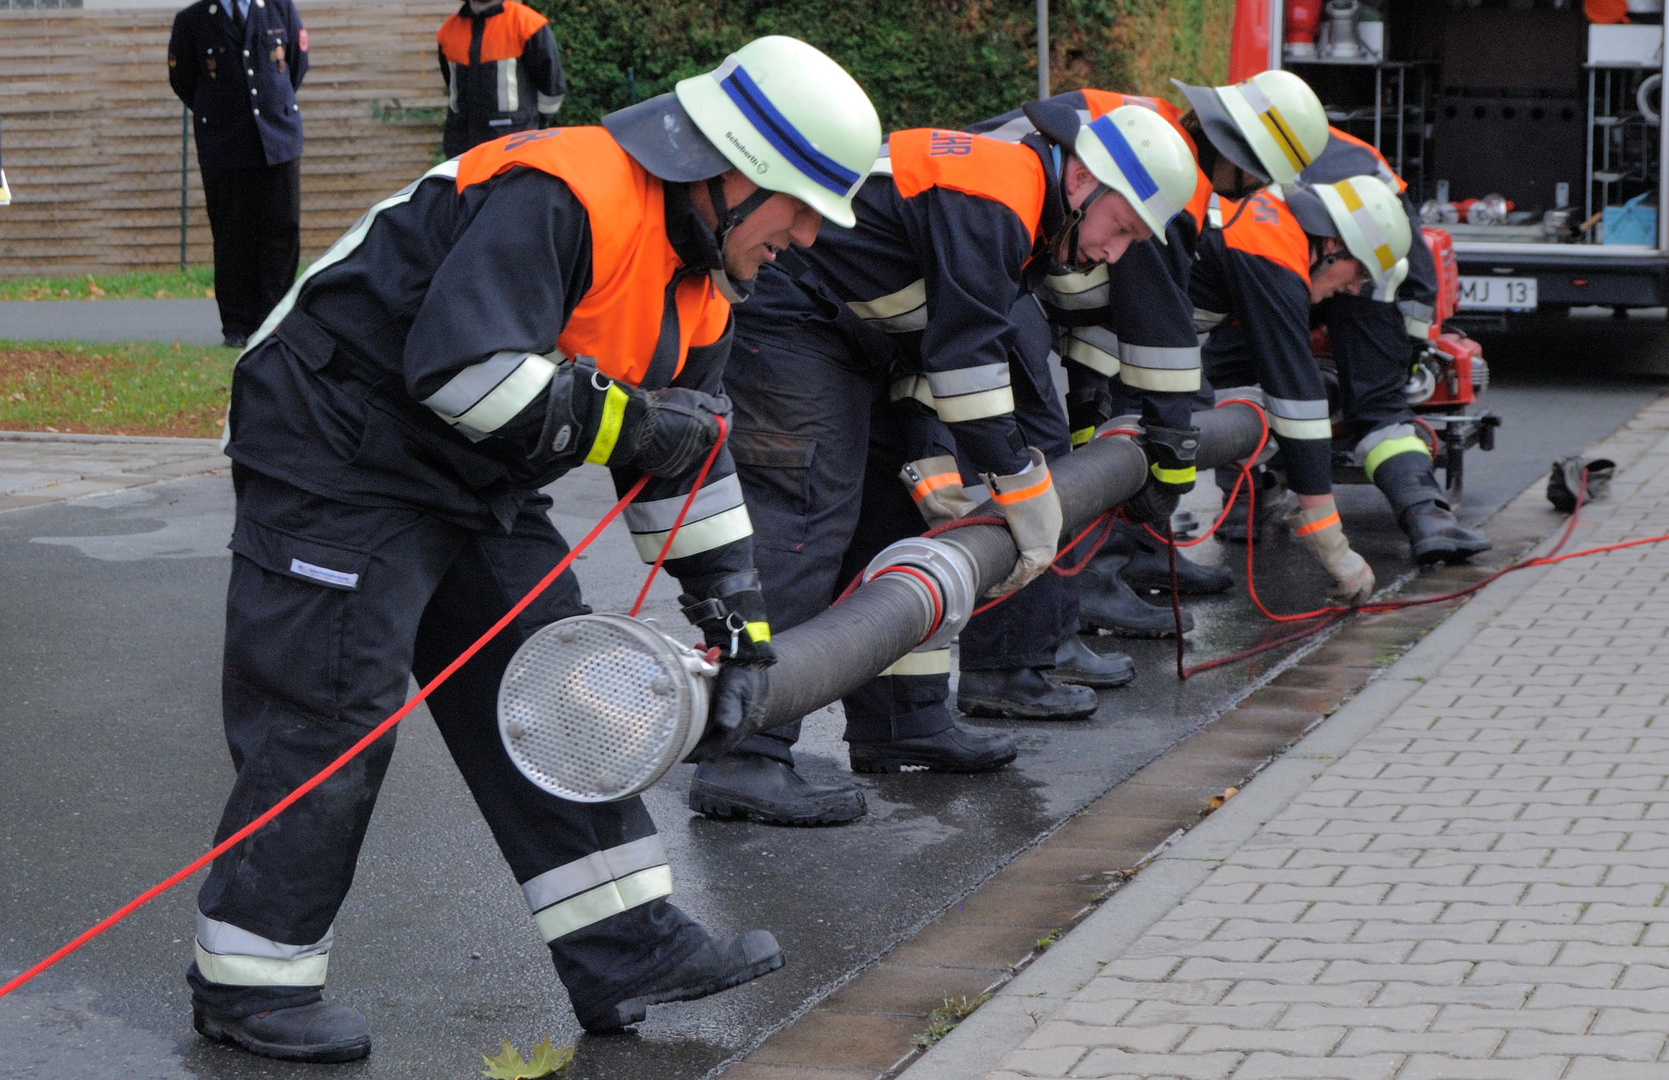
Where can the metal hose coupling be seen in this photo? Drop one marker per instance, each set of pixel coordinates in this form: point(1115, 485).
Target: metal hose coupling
point(950, 587)
point(599, 707)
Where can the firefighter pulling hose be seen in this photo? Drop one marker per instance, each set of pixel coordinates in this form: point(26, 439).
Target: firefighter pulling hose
point(596, 707)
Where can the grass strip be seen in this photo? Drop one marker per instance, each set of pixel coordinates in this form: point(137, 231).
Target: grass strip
point(127, 388)
point(193, 283)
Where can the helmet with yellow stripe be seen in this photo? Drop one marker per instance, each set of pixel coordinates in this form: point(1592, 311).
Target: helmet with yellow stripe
point(1272, 125)
point(1365, 215)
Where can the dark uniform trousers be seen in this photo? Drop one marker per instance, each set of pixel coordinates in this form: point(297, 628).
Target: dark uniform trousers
point(312, 665)
point(818, 451)
point(255, 216)
point(1371, 349)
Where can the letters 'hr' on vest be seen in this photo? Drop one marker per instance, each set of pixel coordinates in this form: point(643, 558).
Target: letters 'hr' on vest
point(619, 319)
point(1008, 173)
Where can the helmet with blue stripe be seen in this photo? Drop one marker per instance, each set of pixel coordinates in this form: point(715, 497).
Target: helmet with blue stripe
point(791, 120)
point(1137, 153)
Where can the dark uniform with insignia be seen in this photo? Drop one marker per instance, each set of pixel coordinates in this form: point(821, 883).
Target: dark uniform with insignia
point(237, 65)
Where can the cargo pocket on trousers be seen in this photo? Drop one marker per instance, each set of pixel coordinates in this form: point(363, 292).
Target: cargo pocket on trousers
point(286, 607)
point(775, 469)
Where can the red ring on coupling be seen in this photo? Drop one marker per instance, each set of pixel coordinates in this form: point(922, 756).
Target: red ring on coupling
point(932, 590)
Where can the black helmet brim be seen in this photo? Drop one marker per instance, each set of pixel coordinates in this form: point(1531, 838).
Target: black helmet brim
point(1221, 129)
point(660, 135)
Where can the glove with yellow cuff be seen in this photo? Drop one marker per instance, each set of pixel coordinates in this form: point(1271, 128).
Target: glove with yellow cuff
point(935, 486)
point(590, 417)
point(1170, 473)
point(1032, 509)
point(1087, 408)
point(732, 619)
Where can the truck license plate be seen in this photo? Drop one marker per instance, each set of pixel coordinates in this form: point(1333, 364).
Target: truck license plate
point(1498, 294)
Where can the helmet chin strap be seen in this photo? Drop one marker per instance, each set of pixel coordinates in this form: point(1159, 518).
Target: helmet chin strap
point(728, 219)
point(1064, 249)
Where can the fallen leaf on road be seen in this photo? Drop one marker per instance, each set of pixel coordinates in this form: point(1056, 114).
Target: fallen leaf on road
point(509, 1065)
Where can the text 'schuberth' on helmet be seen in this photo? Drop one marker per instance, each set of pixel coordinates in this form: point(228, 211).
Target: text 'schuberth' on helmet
point(791, 120)
point(1272, 125)
point(1367, 217)
point(1137, 153)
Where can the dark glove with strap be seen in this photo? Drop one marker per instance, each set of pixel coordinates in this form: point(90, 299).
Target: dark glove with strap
point(1087, 408)
point(590, 417)
point(1170, 454)
point(740, 696)
point(732, 619)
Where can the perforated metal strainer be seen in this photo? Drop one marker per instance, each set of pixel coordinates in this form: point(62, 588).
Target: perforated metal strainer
point(598, 707)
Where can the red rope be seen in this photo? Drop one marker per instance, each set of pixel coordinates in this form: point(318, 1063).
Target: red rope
point(678, 522)
point(329, 770)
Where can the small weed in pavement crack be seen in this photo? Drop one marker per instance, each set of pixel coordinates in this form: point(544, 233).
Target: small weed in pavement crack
point(943, 1020)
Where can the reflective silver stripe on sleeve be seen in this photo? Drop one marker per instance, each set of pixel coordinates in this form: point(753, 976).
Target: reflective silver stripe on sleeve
point(1162, 368)
point(883, 164)
point(233, 956)
point(509, 93)
point(602, 884)
point(1018, 128)
point(1207, 321)
point(971, 393)
point(484, 397)
point(896, 313)
point(931, 662)
point(452, 87)
point(1298, 419)
point(549, 105)
point(1095, 347)
point(911, 386)
point(717, 517)
point(1077, 292)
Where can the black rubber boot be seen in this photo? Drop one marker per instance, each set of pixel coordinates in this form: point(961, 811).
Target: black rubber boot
point(956, 750)
point(1105, 602)
point(1077, 663)
point(1022, 694)
point(1437, 537)
point(318, 1032)
point(1148, 568)
point(1410, 486)
point(760, 788)
point(718, 964)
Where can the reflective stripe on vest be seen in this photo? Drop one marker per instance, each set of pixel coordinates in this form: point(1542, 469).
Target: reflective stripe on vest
point(619, 319)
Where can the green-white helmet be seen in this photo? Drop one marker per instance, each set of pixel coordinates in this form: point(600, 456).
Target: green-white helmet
point(1367, 217)
point(1131, 150)
point(1272, 125)
point(791, 120)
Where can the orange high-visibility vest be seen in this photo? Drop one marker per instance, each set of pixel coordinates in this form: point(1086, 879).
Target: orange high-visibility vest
point(1385, 166)
point(1266, 227)
point(1004, 172)
point(502, 38)
point(619, 319)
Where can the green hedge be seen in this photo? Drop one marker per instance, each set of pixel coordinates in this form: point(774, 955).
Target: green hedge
point(940, 62)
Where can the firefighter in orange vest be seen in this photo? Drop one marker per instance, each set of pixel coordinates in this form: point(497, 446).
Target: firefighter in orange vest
point(546, 300)
point(502, 70)
point(1128, 343)
point(1371, 347)
point(914, 306)
point(1276, 255)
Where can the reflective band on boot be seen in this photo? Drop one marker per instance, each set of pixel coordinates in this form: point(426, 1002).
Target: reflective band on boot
point(599, 886)
point(1389, 448)
point(232, 956)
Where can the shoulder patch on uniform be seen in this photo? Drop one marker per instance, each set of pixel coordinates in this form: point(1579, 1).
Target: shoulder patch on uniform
point(301, 39)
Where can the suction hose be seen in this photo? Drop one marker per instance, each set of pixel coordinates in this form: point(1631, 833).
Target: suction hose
point(840, 650)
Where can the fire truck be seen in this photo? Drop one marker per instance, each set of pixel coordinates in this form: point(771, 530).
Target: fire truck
point(1528, 130)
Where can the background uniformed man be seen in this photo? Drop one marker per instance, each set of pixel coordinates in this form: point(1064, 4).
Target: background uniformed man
point(502, 70)
point(237, 65)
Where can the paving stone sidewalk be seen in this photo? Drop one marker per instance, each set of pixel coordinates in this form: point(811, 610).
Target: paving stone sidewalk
point(37, 469)
point(1461, 874)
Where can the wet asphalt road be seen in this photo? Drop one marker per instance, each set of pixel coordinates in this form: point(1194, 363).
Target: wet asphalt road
point(113, 772)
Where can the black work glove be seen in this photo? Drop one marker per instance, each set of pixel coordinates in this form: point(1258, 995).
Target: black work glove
point(739, 698)
point(1087, 408)
point(677, 429)
point(1170, 454)
point(732, 619)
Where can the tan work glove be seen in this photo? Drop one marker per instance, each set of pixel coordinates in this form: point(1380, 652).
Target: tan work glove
point(1321, 532)
point(1032, 509)
point(935, 485)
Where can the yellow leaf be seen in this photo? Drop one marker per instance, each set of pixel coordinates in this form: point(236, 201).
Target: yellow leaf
point(509, 1065)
